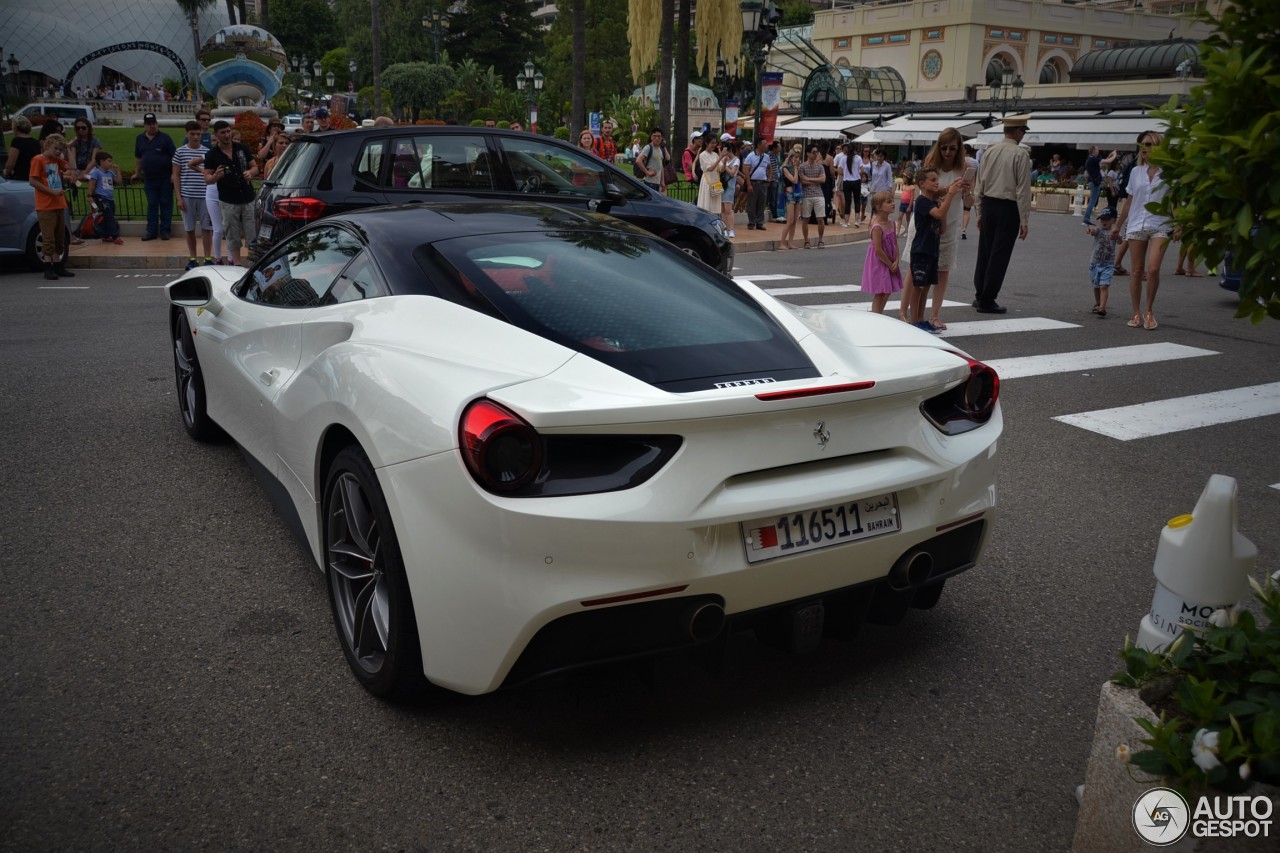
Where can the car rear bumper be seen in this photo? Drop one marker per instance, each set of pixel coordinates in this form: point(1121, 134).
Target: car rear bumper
point(503, 587)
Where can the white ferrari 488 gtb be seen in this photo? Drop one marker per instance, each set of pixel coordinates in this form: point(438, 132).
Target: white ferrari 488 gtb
point(520, 439)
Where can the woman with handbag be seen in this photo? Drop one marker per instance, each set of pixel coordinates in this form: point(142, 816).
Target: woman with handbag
point(710, 187)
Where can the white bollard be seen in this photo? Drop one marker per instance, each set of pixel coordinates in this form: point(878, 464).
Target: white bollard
point(1077, 201)
point(1202, 564)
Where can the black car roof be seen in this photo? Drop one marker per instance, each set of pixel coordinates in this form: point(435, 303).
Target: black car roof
point(404, 226)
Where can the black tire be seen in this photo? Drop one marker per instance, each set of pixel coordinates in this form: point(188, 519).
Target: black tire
point(190, 384)
point(690, 248)
point(368, 587)
point(35, 243)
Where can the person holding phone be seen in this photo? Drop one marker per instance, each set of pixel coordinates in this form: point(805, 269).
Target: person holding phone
point(231, 166)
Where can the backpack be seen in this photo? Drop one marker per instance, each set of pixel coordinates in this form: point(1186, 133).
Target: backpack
point(90, 227)
point(697, 167)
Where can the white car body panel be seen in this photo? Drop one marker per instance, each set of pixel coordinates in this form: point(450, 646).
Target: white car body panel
point(486, 571)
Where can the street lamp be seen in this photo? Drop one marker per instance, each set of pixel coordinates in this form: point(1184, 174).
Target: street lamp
point(351, 82)
point(760, 19)
point(328, 79)
point(722, 86)
point(1005, 97)
point(437, 24)
point(530, 81)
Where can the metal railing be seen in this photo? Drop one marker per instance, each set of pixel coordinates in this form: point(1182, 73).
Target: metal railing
point(131, 202)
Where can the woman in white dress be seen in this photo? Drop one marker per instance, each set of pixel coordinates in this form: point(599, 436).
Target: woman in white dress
point(711, 160)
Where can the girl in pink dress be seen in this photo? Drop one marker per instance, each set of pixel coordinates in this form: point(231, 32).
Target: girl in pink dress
point(880, 274)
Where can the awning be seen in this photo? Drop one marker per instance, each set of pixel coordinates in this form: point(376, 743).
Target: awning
point(1107, 132)
point(825, 128)
point(906, 130)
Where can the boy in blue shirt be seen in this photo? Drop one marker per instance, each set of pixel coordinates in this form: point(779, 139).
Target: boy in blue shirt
point(930, 220)
point(102, 183)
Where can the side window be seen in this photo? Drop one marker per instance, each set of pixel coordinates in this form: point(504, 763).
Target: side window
point(360, 280)
point(440, 162)
point(540, 168)
point(301, 271)
point(369, 163)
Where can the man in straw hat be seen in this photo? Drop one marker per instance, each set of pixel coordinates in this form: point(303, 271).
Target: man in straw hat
point(1002, 205)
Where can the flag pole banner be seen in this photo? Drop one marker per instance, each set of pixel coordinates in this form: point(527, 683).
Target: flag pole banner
point(731, 117)
point(770, 98)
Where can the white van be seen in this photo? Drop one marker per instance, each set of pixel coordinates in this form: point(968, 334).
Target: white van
point(38, 114)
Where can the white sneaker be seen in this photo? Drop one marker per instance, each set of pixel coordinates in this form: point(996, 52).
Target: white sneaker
point(844, 224)
point(731, 234)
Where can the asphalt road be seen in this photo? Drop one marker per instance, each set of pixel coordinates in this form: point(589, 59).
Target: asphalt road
point(171, 677)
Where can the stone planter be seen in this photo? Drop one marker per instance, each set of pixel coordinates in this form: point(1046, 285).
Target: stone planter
point(1051, 202)
point(1104, 824)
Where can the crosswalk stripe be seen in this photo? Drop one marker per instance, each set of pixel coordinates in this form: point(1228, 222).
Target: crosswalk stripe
point(1143, 420)
point(1094, 359)
point(802, 291)
point(889, 307)
point(1000, 327)
point(780, 276)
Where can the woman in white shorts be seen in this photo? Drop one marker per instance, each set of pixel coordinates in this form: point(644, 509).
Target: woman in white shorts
point(947, 156)
point(1147, 233)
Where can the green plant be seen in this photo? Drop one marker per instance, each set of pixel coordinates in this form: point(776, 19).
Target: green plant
point(1220, 152)
point(1218, 692)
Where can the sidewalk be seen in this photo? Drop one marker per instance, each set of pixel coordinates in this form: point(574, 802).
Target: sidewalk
point(172, 253)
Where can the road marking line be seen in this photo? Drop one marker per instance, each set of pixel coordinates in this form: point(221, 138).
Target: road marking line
point(781, 276)
point(815, 288)
point(64, 287)
point(889, 307)
point(1275, 485)
point(1164, 416)
point(999, 327)
point(152, 286)
point(1094, 359)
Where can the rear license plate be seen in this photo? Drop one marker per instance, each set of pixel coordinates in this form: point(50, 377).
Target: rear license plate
point(264, 232)
point(795, 533)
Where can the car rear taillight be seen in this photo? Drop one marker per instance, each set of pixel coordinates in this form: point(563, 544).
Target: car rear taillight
point(502, 452)
point(507, 456)
point(303, 209)
point(967, 406)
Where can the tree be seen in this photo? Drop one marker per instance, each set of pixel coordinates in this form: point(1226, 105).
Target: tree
point(305, 27)
point(191, 8)
point(418, 85)
point(605, 71)
point(578, 112)
point(1220, 153)
point(501, 33)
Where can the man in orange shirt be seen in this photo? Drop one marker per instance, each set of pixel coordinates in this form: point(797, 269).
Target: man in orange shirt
point(47, 171)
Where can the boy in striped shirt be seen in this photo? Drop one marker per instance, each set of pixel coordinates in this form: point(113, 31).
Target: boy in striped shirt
point(189, 187)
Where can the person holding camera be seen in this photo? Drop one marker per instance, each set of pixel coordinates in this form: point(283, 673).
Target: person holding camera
point(231, 166)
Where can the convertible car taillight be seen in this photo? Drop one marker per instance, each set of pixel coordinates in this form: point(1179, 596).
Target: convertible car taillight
point(967, 406)
point(303, 209)
point(507, 456)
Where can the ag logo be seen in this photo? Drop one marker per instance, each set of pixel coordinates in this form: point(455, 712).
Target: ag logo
point(1161, 817)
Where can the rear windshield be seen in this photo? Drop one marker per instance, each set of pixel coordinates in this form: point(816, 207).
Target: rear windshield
point(628, 301)
point(297, 164)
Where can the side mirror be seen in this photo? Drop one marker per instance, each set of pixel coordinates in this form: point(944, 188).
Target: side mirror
point(193, 293)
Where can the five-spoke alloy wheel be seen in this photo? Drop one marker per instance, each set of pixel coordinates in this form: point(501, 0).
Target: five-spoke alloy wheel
point(186, 369)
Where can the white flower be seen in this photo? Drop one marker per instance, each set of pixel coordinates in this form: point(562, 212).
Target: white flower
point(1122, 753)
point(1245, 772)
point(1204, 750)
point(1220, 618)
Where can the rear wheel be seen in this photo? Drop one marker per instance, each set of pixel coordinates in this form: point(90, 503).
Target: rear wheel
point(368, 587)
point(35, 247)
point(186, 371)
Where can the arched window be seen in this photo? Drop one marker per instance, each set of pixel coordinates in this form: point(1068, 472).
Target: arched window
point(1050, 73)
point(706, 103)
point(995, 68)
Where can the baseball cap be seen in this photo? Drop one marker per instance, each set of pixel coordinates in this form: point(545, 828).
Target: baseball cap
point(726, 137)
point(697, 134)
point(322, 113)
point(149, 118)
point(1109, 213)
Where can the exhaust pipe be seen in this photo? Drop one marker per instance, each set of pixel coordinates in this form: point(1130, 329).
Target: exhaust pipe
point(912, 569)
point(703, 622)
